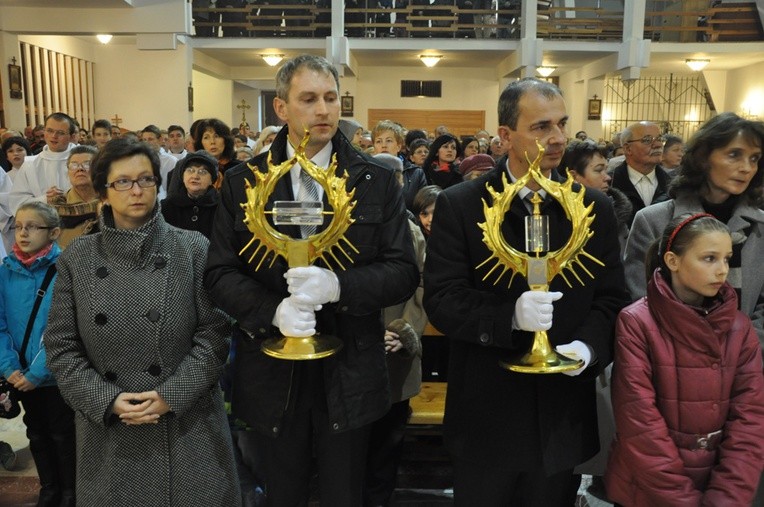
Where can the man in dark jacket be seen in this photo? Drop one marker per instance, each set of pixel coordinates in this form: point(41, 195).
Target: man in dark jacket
point(515, 438)
point(640, 176)
point(326, 404)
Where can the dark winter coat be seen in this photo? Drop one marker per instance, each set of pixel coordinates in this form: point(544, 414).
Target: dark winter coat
point(442, 178)
point(623, 208)
point(622, 182)
point(383, 273)
point(681, 373)
point(180, 210)
point(413, 180)
point(495, 417)
point(130, 314)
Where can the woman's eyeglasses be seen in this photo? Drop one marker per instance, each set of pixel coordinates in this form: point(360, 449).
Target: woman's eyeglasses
point(123, 184)
point(201, 171)
point(74, 166)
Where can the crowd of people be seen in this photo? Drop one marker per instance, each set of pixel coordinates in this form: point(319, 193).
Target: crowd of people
point(129, 298)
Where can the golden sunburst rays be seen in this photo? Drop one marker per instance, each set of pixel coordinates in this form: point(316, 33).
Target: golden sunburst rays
point(329, 245)
point(504, 258)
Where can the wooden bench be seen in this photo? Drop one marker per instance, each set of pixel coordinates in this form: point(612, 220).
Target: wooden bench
point(428, 406)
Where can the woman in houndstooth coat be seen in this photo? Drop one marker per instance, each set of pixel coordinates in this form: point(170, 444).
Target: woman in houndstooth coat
point(137, 348)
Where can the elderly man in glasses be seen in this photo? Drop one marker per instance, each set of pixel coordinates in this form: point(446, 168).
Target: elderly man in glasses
point(44, 177)
point(640, 176)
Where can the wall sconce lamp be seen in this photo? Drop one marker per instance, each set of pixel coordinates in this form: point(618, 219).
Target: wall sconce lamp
point(430, 60)
point(104, 38)
point(697, 65)
point(272, 60)
point(545, 71)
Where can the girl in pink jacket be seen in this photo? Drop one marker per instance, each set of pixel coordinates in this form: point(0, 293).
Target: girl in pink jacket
point(688, 389)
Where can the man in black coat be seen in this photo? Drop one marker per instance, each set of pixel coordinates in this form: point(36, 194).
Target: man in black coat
point(326, 404)
point(515, 438)
point(640, 177)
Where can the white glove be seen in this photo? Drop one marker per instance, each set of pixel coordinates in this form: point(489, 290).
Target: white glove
point(533, 310)
point(313, 285)
point(295, 319)
point(576, 350)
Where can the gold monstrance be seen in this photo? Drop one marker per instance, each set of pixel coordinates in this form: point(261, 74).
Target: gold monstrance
point(326, 244)
point(538, 265)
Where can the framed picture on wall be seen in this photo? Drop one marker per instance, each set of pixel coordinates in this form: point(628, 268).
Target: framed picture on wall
point(14, 80)
point(190, 97)
point(346, 105)
point(595, 109)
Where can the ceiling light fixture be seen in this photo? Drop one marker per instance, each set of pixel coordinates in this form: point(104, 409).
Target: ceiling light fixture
point(430, 60)
point(545, 71)
point(104, 38)
point(697, 65)
point(272, 60)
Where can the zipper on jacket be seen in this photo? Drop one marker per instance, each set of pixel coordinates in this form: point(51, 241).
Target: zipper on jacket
point(289, 391)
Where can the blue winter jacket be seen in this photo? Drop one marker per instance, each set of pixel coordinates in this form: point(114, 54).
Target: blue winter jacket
point(18, 289)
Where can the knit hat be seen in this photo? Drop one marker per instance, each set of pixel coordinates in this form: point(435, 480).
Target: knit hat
point(479, 162)
point(349, 128)
point(200, 157)
point(390, 161)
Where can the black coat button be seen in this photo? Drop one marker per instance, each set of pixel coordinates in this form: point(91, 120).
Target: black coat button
point(102, 272)
point(101, 319)
point(110, 376)
point(484, 338)
point(160, 262)
point(155, 370)
point(153, 315)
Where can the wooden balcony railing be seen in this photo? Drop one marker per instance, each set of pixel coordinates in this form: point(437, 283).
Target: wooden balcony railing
point(726, 22)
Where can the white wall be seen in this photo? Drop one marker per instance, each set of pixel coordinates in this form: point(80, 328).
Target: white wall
point(213, 98)
point(13, 109)
point(252, 98)
point(143, 87)
point(469, 88)
point(745, 91)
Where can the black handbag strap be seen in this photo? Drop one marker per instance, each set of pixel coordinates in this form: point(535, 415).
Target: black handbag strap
point(32, 316)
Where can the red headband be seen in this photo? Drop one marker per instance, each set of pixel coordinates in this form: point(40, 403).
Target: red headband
point(681, 225)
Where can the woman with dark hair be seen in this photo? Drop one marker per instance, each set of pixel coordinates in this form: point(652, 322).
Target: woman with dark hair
point(588, 164)
point(721, 174)
point(138, 347)
point(470, 146)
point(440, 166)
point(214, 136)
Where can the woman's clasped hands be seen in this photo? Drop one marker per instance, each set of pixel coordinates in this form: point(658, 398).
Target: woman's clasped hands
point(140, 408)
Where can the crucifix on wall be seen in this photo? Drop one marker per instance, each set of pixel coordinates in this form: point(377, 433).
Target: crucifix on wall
point(116, 120)
point(243, 106)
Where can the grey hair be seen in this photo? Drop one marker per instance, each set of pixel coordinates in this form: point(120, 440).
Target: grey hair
point(82, 148)
point(629, 130)
point(290, 68)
